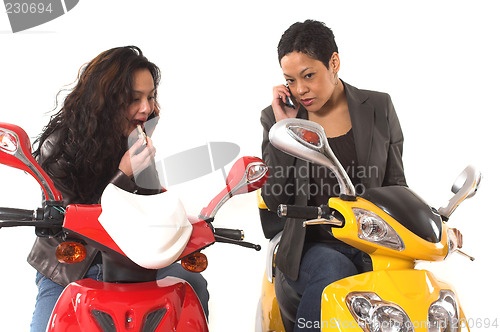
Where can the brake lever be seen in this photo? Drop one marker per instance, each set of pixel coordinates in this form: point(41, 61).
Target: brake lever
point(465, 255)
point(245, 244)
point(322, 221)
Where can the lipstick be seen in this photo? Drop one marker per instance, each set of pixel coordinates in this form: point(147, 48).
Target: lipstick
point(141, 132)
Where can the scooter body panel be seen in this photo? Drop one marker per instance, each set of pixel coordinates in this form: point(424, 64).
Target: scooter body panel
point(268, 312)
point(415, 248)
point(412, 290)
point(83, 220)
point(169, 304)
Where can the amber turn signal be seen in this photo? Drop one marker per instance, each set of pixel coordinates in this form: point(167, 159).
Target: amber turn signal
point(71, 252)
point(196, 262)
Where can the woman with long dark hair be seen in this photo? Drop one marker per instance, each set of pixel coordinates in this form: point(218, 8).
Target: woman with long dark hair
point(86, 146)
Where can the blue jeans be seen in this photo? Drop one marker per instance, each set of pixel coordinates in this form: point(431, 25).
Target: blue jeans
point(49, 291)
point(321, 265)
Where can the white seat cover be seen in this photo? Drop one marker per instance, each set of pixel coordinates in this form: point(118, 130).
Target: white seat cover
point(152, 230)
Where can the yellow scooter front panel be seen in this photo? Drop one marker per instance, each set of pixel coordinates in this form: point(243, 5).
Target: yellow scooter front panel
point(415, 248)
point(413, 291)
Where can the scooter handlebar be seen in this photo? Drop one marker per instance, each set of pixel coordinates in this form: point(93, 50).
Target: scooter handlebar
point(51, 216)
point(234, 234)
point(11, 214)
point(10, 217)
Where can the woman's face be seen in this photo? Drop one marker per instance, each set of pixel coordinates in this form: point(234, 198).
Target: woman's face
point(310, 82)
point(143, 100)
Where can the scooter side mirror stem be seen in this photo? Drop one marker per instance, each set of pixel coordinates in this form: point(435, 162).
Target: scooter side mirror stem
point(246, 175)
point(15, 151)
point(465, 186)
point(307, 140)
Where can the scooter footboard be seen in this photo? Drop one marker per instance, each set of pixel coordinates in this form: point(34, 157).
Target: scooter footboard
point(400, 300)
point(169, 304)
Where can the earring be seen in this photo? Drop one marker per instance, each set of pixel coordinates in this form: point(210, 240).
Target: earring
point(336, 78)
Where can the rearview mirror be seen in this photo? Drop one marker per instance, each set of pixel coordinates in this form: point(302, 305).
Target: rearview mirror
point(465, 186)
point(307, 140)
point(246, 175)
point(15, 151)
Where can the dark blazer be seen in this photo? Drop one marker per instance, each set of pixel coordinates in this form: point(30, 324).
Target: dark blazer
point(379, 146)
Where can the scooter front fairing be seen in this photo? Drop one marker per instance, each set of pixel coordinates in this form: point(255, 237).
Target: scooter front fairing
point(130, 302)
point(396, 300)
point(169, 304)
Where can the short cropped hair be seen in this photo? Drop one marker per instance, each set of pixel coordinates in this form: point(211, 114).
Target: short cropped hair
point(311, 37)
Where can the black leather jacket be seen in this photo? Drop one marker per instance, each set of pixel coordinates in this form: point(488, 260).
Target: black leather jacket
point(42, 256)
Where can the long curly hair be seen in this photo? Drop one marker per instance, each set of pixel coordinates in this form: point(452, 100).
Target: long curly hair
point(90, 123)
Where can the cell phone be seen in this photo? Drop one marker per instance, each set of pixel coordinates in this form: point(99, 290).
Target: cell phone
point(288, 100)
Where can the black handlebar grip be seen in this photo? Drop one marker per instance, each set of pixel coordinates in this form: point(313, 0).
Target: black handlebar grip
point(235, 234)
point(297, 211)
point(17, 214)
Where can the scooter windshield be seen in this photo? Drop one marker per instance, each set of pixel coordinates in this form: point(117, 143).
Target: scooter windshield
point(408, 209)
point(152, 230)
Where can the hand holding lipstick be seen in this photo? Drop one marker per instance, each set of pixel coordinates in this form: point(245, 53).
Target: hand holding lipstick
point(142, 134)
point(135, 160)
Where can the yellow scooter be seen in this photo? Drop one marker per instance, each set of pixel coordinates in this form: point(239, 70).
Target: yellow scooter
point(391, 224)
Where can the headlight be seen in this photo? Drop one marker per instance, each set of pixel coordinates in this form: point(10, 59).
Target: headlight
point(374, 229)
point(389, 317)
point(375, 315)
point(443, 314)
point(361, 308)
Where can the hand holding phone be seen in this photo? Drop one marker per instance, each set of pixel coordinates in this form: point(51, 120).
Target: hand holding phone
point(288, 100)
point(283, 103)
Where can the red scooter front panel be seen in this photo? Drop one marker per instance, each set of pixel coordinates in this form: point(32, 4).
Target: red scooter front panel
point(84, 220)
point(169, 304)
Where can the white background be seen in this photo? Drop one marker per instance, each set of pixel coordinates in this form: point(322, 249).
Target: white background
point(438, 60)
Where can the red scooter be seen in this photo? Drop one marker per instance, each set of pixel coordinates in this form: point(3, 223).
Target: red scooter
point(129, 298)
